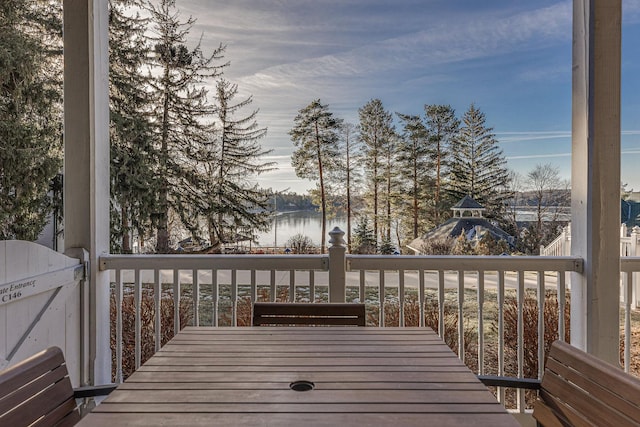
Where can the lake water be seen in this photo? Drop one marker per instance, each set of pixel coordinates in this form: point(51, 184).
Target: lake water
point(308, 223)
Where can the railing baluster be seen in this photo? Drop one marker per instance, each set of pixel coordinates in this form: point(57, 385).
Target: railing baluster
point(541, 303)
point(234, 297)
point(461, 314)
point(176, 301)
point(628, 291)
point(195, 291)
point(562, 302)
point(157, 296)
point(481, 322)
point(421, 296)
point(272, 286)
point(381, 295)
point(118, 302)
point(363, 295)
point(254, 287)
point(215, 297)
point(500, 300)
point(137, 296)
point(521, 297)
point(441, 329)
point(292, 285)
point(401, 297)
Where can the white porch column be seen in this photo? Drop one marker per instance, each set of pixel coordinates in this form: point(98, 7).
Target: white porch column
point(86, 164)
point(595, 177)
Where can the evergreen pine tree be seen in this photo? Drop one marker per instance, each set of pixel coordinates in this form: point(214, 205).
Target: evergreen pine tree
point(386, 247)
point(133, 182)
point(181, 107)
point(442, 126)
point(315, 136)
point(376, 133)
point(364, 239)
point(478, 167)
point(231, 199)
point(30, 114)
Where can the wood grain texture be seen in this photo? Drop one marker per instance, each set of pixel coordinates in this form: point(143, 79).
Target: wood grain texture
point(37, 390)
point(580, 389)
point(362, 376)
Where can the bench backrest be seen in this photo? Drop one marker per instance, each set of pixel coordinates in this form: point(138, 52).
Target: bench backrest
point(329, 314)
point(38, 390)
point(580, 389)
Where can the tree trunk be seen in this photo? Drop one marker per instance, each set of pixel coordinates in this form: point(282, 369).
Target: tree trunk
point(162, 240)
point(126, 240)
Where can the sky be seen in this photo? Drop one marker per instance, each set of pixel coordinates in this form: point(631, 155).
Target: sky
point(511, 58)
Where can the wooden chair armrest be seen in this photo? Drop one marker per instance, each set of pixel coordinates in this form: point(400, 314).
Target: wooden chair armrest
point(93, 391)
point(511, 382)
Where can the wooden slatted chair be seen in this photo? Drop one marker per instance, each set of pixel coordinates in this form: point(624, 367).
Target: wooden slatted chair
point(38, 392)
point(578, 389)
point(288, 314)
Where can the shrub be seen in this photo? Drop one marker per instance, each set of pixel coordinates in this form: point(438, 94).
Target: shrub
point(442, 246)
point(300, 244)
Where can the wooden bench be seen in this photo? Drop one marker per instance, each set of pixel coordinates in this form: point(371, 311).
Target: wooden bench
point(37, 391)
point(578, 389)
point(309, 314)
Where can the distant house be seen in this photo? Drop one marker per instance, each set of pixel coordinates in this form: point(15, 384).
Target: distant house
point(468, 219)
point(630, 210)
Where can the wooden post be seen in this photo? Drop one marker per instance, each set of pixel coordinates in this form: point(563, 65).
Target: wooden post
point(337, 266)
point(86, 164)
point(595, 177)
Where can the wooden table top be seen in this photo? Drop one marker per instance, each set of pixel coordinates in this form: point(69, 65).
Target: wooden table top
point(362, 376)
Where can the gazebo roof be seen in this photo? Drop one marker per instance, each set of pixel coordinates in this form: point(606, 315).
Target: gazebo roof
point(468, 203)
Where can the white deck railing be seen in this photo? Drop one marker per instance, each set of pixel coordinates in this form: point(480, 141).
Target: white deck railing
point(457, 290)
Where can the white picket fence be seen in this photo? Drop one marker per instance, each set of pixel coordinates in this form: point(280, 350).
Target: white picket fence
point(561, 245)
point(629, 247)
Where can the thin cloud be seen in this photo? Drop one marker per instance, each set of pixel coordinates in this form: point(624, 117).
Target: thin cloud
point(538, 156)
point(543, 156)
point(510, 137)
point(479, 37)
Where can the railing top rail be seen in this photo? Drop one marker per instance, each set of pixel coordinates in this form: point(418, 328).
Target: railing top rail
point(214, 262)
point(630, 264)
point(355, 262)
point(467, 263)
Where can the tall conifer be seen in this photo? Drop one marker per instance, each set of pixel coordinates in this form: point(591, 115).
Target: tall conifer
point(376, 132)
point(442, 125)
point(416, 168)
point(315, 135)
point(478, 167)
point(133, 182)
point(232, 200)
point(30, 114)
point(181, 109)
